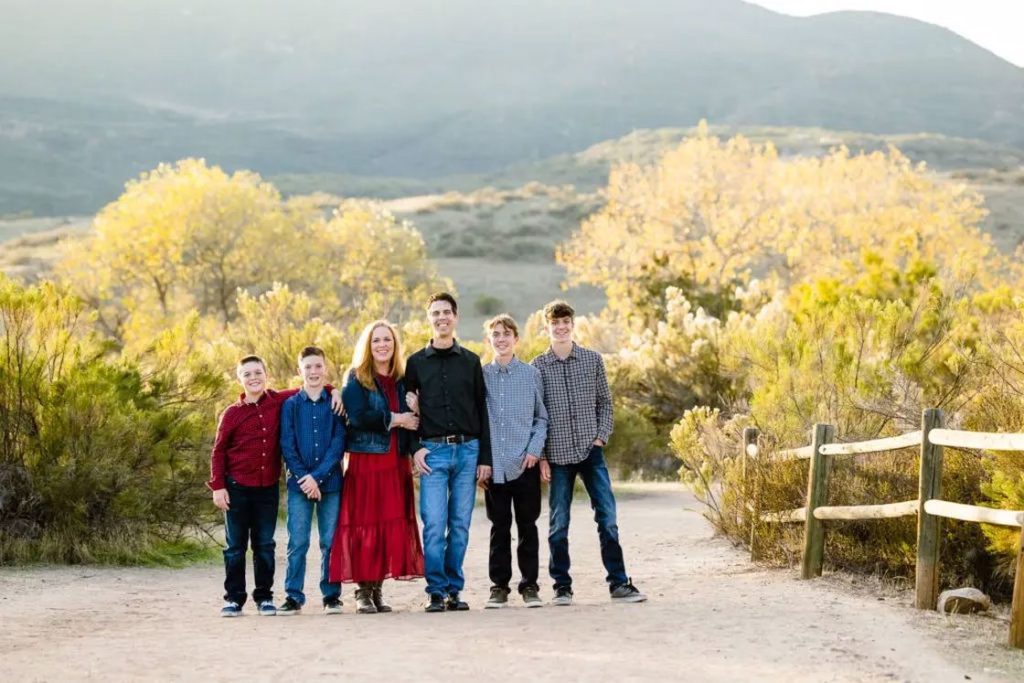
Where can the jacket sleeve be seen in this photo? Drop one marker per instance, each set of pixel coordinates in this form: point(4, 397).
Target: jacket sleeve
point(539, 429)
point(219, 454)
point(289, 441)
point(360, 414)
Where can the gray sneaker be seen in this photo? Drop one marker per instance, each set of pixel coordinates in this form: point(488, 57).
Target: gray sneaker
point(498, 599)
point(627, 592)
point(563, 597)
point(531, 597)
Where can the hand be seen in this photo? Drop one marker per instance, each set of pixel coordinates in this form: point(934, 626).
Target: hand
point(309, 487)
point(412, 399)
point(222, 500)
point(405, 421)
point(545, 470)
point(337, 407)
point(419, 458)
point(483, 475)
point(599, 442)
point(530, 461)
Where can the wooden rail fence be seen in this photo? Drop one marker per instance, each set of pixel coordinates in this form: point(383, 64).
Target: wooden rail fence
point(928, 506)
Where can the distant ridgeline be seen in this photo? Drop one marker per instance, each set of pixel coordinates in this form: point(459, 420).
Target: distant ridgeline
point(464, 99)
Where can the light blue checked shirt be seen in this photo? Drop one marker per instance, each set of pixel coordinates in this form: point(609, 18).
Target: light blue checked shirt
point(518, 419)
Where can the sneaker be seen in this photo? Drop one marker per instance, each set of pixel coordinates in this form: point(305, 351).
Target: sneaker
point(436, 603)
point(332, 606)
point(563, 597)
point(532, 597)
point(455, 603)
point(498, 599)
point(290, 608)
point(231, 609)
point(627, 592)
point(266, 609)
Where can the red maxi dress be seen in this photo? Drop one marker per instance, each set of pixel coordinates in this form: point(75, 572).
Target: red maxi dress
point(377, 536)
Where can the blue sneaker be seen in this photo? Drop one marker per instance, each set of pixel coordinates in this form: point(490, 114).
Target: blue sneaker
point(231, 609)
point(266, 609)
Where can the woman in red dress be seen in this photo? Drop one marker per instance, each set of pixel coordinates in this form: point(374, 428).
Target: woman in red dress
point(377, 536)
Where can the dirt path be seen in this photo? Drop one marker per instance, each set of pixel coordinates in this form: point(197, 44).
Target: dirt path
point(712, 616)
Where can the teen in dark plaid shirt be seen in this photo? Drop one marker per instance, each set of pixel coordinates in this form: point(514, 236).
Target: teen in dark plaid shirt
point(579, 406)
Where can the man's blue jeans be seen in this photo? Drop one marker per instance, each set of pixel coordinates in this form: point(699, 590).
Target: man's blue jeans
point(300, 522)
point(594, 473)
point(447, 496)
point(252, 516)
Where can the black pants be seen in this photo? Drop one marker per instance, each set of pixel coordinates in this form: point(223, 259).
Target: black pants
point(523, 496)
point(250, 522)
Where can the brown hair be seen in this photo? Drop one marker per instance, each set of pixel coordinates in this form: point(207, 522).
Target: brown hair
point(559, 308)
point(312, 351)
point(251, 359)
point(362, 357)
point(503, 319)
point(444, 296)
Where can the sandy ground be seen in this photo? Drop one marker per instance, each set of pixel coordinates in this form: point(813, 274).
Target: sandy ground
point(712, 616)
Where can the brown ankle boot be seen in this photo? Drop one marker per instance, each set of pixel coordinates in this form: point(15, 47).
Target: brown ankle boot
point(378, 598)
point(364, 599)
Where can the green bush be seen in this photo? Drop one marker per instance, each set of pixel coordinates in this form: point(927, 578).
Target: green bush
point(101, 460)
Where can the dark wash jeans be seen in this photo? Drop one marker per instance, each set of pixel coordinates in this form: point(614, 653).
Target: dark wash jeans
point(594, 473)
point(523, 495)
point(252, 517)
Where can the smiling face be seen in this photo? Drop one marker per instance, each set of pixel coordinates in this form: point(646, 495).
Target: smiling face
point(313, 370)
point(560, 329)
point(503, 341)
point(442, 319)
point(382, 345)
point(253, 378)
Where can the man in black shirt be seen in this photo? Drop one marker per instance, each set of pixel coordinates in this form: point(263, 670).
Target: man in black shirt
point(453, 451)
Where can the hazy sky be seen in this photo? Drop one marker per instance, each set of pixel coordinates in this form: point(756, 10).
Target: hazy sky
point(996, 25)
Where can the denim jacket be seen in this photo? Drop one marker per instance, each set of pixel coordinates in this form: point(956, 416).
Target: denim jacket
point(368, 417)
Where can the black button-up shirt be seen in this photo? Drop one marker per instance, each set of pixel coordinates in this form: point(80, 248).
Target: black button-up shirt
point(452, 395)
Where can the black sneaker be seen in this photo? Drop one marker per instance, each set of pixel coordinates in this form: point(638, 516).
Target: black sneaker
point(290, 608)
point(563, 597)
point(436, 603)
point(627, 592)
point(455, 603)
point(531, 597)
point(498, 599)
point(332, 606)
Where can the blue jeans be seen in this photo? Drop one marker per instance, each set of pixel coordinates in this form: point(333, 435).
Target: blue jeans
point(300, 522)
point(447, 496)
point(252, 516)
point(594, 473)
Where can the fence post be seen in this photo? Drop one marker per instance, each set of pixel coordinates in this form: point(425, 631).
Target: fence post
point(817, 493)
point(1017, 608)
point(928, 526)
point(750, 487)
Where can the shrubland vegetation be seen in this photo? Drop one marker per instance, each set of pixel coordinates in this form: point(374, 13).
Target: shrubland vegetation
point(749, 289)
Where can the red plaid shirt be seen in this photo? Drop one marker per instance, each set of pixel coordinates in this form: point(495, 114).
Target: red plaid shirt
point(247, 448)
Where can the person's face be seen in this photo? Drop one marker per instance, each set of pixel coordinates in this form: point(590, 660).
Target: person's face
point(313, 370)
point(442, 318)
point(382, 344)
point(252, 376)
point(560, 329)
point(503, 341)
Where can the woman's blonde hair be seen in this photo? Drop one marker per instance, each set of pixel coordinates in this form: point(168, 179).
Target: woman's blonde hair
point(362, 358)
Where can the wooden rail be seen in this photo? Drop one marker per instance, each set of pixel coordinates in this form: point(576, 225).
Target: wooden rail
point(929, 507)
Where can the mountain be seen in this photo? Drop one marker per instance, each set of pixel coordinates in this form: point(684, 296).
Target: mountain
point(96, 91)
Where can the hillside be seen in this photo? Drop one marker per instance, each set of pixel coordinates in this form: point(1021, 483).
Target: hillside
point(386, 89)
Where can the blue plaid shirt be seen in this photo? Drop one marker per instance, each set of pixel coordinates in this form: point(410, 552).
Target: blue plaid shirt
point(518, 419)
point(312, 441)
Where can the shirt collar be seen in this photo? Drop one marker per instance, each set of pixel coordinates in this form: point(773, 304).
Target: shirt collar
point(431, 351)
point(553, 357)
point(261, 399)
point(495, 366)
point(305, 396)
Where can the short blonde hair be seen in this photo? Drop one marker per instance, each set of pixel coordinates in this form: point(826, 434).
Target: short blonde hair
point(503, 319)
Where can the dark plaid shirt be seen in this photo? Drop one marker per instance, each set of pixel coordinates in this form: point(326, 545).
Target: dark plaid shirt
point(578, 401)
point(247, 448)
